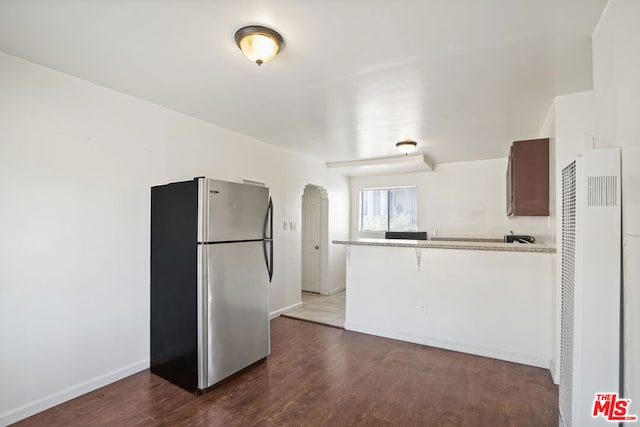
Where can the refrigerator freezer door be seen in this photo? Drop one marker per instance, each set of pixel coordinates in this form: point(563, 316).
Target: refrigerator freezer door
point(237, 319)
point(232, 211)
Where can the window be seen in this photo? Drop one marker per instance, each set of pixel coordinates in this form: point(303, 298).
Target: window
point(389, 209)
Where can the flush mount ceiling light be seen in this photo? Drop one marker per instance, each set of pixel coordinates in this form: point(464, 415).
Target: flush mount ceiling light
point(406, 147)
point(259, 44)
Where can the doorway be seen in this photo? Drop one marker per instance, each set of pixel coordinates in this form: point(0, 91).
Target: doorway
point(321, 309)
point(315, 240)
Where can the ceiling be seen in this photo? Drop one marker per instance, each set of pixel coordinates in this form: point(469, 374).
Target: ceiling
point(462, 77)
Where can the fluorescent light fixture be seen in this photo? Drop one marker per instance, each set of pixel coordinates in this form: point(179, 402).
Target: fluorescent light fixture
point(384, 165)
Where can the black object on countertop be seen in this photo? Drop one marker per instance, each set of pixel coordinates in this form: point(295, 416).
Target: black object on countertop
point(516, 238)
point(406, 235)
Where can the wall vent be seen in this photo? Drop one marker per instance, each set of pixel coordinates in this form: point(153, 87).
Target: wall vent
point(602, 190)
point(568, 292)
point(590, 285)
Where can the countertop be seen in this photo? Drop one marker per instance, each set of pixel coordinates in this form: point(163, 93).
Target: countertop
point(467, 245)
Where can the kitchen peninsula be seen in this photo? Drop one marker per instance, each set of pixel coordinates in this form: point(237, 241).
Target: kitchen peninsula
point(486, 298)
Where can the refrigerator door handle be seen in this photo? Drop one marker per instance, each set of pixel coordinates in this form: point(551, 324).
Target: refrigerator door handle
point(268, 257)
point(268, 221)
point(270, 266)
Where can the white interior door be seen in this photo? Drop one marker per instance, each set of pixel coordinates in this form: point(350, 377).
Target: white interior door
point(311, 232)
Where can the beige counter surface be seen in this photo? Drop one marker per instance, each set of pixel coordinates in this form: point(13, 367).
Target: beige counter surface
point(467, 245)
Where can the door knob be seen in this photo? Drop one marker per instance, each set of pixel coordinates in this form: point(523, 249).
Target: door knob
point(317, 247)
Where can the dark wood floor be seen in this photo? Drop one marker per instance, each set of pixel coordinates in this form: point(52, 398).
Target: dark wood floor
point(318, 375)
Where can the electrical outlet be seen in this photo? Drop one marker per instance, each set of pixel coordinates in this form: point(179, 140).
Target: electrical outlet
point(284, 225)
point(422, 309)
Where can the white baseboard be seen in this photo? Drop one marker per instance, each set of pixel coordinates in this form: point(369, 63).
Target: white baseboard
point(277, 313)
point(24, 411)
point(447, 345)
point(333, 291)
point(337, 290)
point(554, 373)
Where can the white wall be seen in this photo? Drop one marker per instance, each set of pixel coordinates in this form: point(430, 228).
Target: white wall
point(569, 127)
point(575, 119)
point(76, 164)
point(466, 199)
point(616, 71)
point(548, 130)
point(498, 305)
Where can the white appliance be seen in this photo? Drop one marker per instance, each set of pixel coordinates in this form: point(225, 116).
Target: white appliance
point(211, 264)
point(591, 276)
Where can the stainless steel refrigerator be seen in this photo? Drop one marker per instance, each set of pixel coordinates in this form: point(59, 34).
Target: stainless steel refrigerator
point(211, 264)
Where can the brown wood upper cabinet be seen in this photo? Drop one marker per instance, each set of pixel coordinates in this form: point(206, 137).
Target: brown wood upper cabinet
point(528, 178)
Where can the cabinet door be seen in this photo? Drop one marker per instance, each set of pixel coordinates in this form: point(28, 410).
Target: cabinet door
point(510, 183)
point(528, 188)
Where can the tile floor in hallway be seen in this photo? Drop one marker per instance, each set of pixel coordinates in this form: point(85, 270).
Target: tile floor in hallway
point(323, 309)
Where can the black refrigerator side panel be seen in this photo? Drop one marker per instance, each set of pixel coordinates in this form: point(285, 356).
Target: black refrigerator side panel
point(174, 319)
